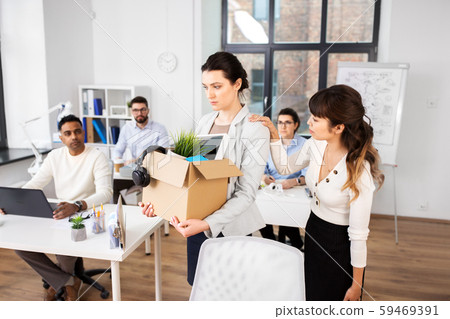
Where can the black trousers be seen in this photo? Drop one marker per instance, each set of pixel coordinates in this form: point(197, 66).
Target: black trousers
point(193, 249)
point(293, 233)
point(267, 232)
point(328, 272)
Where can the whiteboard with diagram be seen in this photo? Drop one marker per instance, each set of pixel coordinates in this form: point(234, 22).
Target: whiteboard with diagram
point(382, 87)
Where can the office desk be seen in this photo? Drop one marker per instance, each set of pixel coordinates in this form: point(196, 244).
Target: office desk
point(118, 176)
point(50, 236)
point(290, 208)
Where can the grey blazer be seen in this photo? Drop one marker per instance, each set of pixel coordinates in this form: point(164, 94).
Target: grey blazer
point(248, 148)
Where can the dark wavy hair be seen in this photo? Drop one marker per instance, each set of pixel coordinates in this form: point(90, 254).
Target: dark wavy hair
point(341, 104)
point(293, 114)
point(231, 67)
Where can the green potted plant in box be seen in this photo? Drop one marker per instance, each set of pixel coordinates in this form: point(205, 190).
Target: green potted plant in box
point(187, 144)
point(78, 231)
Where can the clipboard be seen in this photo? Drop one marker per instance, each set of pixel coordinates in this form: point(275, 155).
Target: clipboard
point(117, 227)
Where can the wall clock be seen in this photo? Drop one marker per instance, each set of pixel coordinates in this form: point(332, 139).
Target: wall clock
point(167, 61)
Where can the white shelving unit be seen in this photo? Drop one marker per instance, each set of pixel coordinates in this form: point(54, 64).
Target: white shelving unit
point(114, 113)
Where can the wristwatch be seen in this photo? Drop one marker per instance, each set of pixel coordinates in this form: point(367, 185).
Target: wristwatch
point(299, 182)
point(79, 204)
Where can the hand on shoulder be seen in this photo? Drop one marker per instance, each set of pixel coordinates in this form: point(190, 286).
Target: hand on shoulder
point(267, 122)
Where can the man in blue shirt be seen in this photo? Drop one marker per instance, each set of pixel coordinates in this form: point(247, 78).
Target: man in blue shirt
point(288, 123)
point(135, 136)
point(139, 134)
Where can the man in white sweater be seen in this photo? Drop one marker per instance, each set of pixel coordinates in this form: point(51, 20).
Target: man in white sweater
point(82, 178)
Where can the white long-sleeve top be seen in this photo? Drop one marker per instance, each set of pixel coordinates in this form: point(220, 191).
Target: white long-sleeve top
point(86, 176)
point(329, 201)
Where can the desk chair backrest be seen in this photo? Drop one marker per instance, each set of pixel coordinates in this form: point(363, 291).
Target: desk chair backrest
point(248, 268)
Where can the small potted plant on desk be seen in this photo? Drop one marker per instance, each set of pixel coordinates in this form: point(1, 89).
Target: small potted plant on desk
point(78, 228)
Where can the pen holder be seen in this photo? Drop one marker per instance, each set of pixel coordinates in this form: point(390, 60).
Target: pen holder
point(98, 224)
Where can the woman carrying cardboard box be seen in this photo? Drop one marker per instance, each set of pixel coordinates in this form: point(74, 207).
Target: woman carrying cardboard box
point(224, 80)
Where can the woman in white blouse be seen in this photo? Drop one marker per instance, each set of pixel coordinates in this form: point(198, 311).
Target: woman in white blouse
point(343, 166)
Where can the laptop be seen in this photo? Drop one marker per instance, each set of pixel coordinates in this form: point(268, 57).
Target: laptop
point(25, 202)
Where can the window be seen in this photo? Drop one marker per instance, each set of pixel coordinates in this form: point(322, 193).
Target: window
point(3, 140)
point(261, 9)
point(258, 84)
point(290, 48)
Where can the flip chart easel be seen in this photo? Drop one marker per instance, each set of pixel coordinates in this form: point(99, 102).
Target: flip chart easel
point(382, 87)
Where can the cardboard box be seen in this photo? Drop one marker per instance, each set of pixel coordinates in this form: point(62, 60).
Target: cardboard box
point(184, 189)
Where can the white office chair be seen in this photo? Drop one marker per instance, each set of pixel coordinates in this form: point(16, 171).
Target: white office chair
point(248, 268)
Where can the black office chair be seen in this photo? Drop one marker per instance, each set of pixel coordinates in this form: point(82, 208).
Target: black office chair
point(86, 277)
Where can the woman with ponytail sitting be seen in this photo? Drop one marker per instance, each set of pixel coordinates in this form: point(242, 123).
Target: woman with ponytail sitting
point(343, 170)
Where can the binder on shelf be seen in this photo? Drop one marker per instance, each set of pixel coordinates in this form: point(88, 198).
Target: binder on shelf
point(85, 103)
point(115, 130)
point(98, 107)
point(90, 101)
point(100, 129)
point(89, 128)
point(85, 130)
